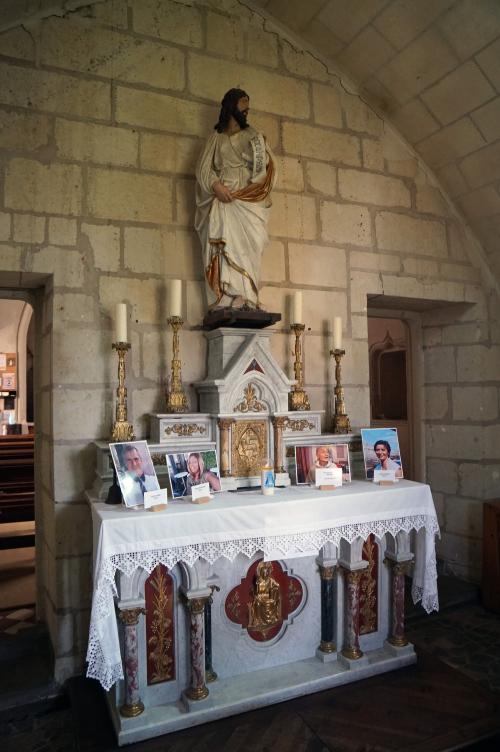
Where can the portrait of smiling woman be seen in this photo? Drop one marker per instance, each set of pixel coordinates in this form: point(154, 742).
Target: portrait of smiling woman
point(188, 469)
point(381, 451)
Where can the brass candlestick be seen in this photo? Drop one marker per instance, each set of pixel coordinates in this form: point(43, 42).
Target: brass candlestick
point(176, 397)
point(341, 422)
point(298, 397)
point(122, 429)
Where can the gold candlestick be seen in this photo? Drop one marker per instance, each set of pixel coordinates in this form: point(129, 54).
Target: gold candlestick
point(122, 429)
point(176, 397)
point(298, 397)
point(341, 422)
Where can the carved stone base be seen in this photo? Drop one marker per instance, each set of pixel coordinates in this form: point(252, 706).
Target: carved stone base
point(354, 654)
point(238, 318)
point(326, 657)
point(131, 711)
point(353, 664)
point(196, 693)
point(327, 647)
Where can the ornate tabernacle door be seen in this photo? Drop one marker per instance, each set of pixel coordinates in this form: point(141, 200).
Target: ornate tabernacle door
point(249, 446)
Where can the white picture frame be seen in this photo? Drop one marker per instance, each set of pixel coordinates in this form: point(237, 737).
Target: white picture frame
point(388, 454)
point(134, 470)
point(187, 469)
point(307, 457)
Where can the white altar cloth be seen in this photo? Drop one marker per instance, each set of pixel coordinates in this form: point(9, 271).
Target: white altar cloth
point(294, 521)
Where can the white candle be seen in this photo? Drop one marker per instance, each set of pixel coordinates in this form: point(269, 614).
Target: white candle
point(337, 333)
point(297, 307)
point(175, 302)
point(121, 322)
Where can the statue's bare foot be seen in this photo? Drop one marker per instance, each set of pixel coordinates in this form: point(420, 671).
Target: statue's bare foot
point(238, 302)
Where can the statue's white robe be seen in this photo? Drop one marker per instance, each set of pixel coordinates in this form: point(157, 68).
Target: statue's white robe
point(233, 235)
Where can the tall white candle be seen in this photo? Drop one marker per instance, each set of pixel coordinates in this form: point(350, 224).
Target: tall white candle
point(297, 307)
point(175, 298)
point(337, 333)
point(121, 322)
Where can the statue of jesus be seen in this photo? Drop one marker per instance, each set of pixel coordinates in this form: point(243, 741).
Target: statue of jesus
point(235, 176)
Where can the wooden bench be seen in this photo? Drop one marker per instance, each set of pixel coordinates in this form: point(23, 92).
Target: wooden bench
point(17, 486)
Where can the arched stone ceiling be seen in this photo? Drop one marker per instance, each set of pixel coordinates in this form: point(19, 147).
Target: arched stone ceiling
point(433, 67)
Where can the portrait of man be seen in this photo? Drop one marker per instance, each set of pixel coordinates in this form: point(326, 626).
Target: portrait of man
point(309, 458)
point(235, 176)
point(135, 471)
point(381, 451)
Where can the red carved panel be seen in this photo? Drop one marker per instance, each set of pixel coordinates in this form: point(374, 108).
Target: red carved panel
point(368, 600)
point(160, 632)
point(240, 608)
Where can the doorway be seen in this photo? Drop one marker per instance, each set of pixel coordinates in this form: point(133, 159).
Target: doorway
point(17, 484)
point(389, 342)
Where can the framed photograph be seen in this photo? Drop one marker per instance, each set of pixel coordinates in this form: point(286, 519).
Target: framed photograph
point(381, 451)
point(135, 471)
point(308, 458)
point(188, 469)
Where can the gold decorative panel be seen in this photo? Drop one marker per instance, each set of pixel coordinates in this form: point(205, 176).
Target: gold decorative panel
point(368, 601)
point(250, 403)
point(249, 447)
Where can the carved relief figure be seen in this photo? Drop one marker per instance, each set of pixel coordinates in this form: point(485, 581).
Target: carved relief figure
point(264, 610)
point(235, 175)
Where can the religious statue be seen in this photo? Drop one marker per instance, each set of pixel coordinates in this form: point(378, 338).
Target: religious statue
point(264, 610)
point(235, 176)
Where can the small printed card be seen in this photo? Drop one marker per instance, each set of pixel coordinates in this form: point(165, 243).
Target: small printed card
point(387, 476)
point(202, 490)
point(328, 476)
point(153, 498)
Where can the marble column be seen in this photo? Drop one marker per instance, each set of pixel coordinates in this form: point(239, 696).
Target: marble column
point(210, 674)
point(279, 423)
point(397, 637)
point(327, 574)
point(351, 638)
point(133, 705)
point(225, 445)
point(197, 689)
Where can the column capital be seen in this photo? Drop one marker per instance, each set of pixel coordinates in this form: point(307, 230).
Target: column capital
point(398, 567)
point(130, 616)
point(225, 423)
point(196, 605)
point(354, 576)
point(327, 572)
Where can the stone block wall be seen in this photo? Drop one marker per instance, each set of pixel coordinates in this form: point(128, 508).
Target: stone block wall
point(104, 111)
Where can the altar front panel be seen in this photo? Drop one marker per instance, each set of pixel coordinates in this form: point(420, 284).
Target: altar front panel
point(307, 542)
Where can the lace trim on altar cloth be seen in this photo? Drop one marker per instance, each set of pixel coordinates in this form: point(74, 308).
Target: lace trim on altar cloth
point(103, 622)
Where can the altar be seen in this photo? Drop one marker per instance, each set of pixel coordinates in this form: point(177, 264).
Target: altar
point(251, 599)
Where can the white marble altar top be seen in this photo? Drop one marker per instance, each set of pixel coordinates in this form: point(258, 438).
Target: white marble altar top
point(295, 521)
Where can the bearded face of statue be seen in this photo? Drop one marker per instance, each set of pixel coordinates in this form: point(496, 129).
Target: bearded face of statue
point(240, 112)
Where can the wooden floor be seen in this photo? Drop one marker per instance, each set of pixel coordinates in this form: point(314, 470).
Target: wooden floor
point(449, 700)
point(429, 707)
